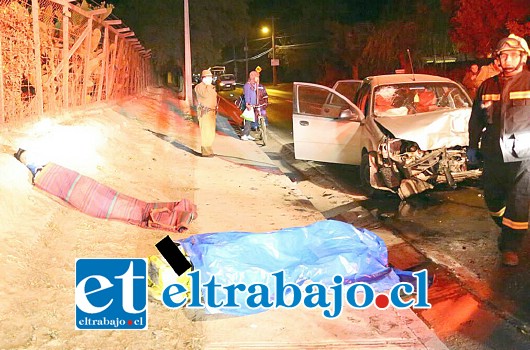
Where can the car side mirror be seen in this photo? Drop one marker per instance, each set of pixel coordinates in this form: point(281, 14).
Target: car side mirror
point(348, 114)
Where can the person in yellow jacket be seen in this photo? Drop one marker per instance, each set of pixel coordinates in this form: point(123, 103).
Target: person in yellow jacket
point(206, 112)
point(487, 72)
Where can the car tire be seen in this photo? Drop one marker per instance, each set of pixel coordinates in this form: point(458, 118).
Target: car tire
point(364, 176)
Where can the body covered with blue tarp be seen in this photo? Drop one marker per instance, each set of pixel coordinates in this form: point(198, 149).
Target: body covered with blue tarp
point(314, 253)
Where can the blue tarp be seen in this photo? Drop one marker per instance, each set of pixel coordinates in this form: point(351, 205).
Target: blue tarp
point(316, 253)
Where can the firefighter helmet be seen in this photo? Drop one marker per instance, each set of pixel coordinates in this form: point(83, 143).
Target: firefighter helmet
point(512, 43)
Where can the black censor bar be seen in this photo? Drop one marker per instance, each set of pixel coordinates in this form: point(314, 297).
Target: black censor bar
point(173, 255)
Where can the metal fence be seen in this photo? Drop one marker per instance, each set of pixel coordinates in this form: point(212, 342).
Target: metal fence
point(85, 56)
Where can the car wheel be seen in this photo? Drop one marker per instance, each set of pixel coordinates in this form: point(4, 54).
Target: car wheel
point(364, 176)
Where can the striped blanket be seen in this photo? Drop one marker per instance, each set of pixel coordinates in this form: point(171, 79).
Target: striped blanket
point(98, 200)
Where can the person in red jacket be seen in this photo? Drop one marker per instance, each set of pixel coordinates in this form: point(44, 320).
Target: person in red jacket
point(500, 122)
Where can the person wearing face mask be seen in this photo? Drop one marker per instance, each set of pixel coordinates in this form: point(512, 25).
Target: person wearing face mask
point(500, 121)
point(206, 112)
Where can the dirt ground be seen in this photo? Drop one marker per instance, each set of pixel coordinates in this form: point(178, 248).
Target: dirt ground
point(114, 144)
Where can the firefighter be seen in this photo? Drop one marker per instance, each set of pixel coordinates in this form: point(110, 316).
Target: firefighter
point(500, 121)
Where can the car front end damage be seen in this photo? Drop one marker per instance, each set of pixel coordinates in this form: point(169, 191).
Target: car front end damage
point(400, 166)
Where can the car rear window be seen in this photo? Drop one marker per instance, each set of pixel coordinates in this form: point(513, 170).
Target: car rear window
point(406, 99)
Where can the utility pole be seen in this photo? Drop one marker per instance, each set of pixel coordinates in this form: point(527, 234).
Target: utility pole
point(273, 62)
point(187, 55)
point(235, 60)
point(246, 59)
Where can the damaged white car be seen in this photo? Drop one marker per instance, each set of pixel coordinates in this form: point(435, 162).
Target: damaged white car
point(407, 132)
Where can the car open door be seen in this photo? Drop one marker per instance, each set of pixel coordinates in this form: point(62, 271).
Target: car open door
point(326, 125)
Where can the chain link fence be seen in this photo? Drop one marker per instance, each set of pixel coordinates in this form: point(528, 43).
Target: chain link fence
point(86, 55)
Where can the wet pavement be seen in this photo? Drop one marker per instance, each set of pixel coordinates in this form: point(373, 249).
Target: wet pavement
point(454, 227)
point(476, 302)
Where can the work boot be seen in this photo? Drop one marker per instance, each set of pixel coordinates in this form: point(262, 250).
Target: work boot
point(510, 258)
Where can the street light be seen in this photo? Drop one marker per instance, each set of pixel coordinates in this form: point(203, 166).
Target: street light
point(274, 63)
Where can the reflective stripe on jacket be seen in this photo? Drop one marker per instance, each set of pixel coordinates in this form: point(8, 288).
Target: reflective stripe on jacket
point(500, 118)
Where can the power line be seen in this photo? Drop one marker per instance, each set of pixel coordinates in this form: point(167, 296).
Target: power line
point(292, 46)
point(250, 58)
point(299, 46)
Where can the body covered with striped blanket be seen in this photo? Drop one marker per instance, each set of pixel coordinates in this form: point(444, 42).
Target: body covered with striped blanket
point(98, 200)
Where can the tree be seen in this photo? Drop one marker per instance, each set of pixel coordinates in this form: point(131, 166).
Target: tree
point(386, 48)
point(479, 24)
point(521, 30)
point(214, 25)
point(348, 42)
point(159, 26)
point(434, 39)
point(381, 47)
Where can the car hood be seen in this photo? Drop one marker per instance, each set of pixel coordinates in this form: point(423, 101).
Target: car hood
point(431, 130)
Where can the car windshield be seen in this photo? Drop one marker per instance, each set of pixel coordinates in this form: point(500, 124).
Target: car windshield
point(227, 77)
point(406, 99)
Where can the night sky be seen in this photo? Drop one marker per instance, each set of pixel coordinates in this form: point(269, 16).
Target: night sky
point(317, 37)
point(345, 11)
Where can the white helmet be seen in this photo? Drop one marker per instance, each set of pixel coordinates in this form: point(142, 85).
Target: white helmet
point(512, 43)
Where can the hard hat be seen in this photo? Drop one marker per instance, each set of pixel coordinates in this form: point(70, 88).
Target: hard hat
point(206, 73)
point(512, 43)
